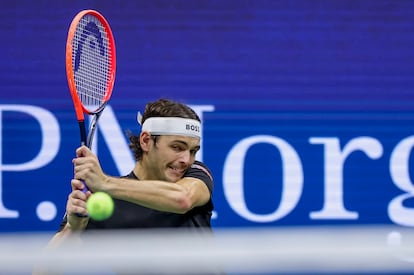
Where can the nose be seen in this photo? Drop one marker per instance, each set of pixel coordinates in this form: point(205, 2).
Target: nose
point(185, 157)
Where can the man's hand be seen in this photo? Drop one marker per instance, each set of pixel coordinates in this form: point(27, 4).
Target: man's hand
point(88, 169)
point(76, 206)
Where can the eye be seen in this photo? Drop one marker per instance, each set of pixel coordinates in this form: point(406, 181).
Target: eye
point(194, 151)
point(177, 147)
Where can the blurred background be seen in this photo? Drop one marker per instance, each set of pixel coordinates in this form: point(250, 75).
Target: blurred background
point(307, 106)
point(307, 109)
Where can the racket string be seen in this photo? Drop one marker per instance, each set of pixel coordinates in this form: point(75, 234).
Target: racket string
point(91, 60)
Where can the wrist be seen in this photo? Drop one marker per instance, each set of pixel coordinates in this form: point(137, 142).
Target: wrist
point(107, 182)
point(78, 225)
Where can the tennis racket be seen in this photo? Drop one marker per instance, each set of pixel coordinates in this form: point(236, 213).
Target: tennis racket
point(90, 68)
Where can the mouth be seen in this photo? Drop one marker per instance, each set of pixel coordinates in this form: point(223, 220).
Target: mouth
point(176, 171)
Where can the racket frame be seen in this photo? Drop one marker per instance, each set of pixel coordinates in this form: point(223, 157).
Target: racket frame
point(80, 109)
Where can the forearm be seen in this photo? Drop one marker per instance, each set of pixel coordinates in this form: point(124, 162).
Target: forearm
point(159, 195)
point(67, 233)
point(58, 242)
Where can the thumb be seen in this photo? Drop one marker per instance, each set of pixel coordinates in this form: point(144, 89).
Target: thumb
point(83, 151)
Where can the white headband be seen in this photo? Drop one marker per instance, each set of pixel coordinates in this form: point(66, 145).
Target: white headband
point(171, 126)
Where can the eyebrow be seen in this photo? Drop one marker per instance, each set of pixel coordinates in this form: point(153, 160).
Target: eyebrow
point(186, 144)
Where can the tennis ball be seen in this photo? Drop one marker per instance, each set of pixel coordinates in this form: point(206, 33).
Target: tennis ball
point(100, 206)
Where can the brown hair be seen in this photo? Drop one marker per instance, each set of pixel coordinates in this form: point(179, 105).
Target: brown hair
point(160, 108)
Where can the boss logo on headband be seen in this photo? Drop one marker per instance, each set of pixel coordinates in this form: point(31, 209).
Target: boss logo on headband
point(172, 126)
point(191, 127)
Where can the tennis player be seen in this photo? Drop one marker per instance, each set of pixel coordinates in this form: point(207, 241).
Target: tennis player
point(167, 188)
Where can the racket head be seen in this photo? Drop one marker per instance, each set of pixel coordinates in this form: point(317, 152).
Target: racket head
point(90, 62)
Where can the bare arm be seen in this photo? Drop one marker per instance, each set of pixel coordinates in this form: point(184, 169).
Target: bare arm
point(76, 204)
point(178, 197)
point(65, 236)
point(175, 197)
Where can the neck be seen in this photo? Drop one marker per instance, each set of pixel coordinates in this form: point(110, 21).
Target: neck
point(141, 171)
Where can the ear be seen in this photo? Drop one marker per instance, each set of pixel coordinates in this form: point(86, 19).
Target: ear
point(145, 141)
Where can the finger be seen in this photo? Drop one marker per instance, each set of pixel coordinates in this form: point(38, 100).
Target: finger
point(83, 169)
point(76, 210)
point(77, 201)
point(80, 160)
point(77, 195)
point(83, 151)
point(80, 151)
point(78, 185)
point(84, 163)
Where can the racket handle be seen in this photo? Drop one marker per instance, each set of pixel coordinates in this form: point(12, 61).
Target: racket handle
point(84, 190)
point(83, 139)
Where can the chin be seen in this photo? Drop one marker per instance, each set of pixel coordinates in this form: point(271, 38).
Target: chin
point(173, 177)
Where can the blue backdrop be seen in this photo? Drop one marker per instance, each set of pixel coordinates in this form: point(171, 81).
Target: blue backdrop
point(307, 105)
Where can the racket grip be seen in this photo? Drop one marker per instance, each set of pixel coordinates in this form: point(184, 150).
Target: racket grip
point(84, 190)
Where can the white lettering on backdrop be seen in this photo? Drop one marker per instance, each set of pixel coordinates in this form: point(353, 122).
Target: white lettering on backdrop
point(233, 178)
point(293, 178)
point(333, 173)
point(49, 148)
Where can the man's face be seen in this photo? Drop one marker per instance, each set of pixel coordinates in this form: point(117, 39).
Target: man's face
point(171, 156)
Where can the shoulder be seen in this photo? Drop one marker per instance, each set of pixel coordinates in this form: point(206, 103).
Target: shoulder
point(200, 171)
point(198, 165)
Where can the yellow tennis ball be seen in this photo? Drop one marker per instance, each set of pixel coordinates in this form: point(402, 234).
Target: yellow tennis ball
point(100, 206)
